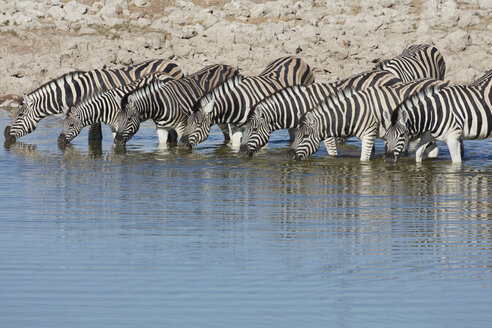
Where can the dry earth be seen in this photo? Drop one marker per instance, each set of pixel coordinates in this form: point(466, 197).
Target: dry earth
point(43, 39)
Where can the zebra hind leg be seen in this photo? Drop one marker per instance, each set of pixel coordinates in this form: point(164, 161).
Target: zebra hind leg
point(95, 132)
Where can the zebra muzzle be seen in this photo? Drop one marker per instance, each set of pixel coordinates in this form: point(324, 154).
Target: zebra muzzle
point(292, 154)
point(246, 151)
point(62, 139)
point(184, 142)
point(9, 139)
point(119, 140)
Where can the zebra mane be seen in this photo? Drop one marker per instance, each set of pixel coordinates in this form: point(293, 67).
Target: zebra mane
point(60, 80)
point(217, 91)
point(483, 80)
point(413, 98)
point(381, 64)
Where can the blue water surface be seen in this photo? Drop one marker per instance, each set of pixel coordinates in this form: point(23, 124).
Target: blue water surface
point(90, 237)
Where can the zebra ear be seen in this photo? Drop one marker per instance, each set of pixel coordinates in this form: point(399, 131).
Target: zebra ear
point(209, 107)
point(386, 116)
point(309, 118)
point(259, 111)
point(27, 99)
point(402, 115)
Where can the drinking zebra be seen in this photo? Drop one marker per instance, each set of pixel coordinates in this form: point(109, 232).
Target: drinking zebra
point(449, 114)
point(351, 113)
point(64, 92)
point(169, 104)
point(103, 107)
point(231, 105)
point(284, 109)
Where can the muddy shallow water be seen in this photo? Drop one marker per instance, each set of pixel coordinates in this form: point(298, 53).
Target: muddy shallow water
point(154, 238)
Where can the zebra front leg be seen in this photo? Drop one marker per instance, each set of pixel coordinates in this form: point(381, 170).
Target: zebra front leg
point(237, 134)
point(455, 148)
point(424, 141)
point(226, 130)
point(292, 134)
point(367, 151)
point(95, 132)
point(432, 150)
point(163, 135)
point(331, 146)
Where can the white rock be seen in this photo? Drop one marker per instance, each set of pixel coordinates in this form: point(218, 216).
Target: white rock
point(56, 12)
point(75, 11)
point(141, 3)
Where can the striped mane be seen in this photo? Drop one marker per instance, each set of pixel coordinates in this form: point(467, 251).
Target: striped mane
point(225, 87)
point(414, 98)
point(59, 81)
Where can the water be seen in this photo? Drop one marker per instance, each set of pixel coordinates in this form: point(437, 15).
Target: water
point(171, 238)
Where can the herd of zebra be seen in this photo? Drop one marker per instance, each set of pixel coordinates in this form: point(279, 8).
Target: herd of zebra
point(401, 100)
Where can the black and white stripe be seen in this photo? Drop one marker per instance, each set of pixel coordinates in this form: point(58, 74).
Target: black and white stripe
point(103, 107)
point(232, 106)
point(450, 114)
point(169, 104)
point(416, 62)
point(284, 109)
point(68, 90)
point(351, 113)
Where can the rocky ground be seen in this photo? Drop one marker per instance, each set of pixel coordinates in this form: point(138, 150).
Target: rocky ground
point(43, 39)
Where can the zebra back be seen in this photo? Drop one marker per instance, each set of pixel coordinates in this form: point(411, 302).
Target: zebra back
point(416, 62)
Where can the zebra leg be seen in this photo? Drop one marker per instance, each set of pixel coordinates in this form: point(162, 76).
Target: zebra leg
point(226, 130)
point(455, 149)
point(424, 141)
point(95, 132)
point(367, 146)
point(237, 134)
point(432, 150)
point(331, 146)
point(163, 135)
point(292, 134)
point(172, 136)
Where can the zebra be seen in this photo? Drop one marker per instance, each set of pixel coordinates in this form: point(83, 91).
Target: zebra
point(103, 107)
point(169, 104)
point(56, 96)
point(449, 114)
point(352, 113)
point(416, 62)
point(232, 106)
point(283, 109)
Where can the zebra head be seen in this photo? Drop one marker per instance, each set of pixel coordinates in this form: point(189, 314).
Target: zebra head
point(72, 124)
point(307, 138)
point(197, 127)
point(397, 134)
point(24, 123)
point(256, 132)
point(128, 122)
